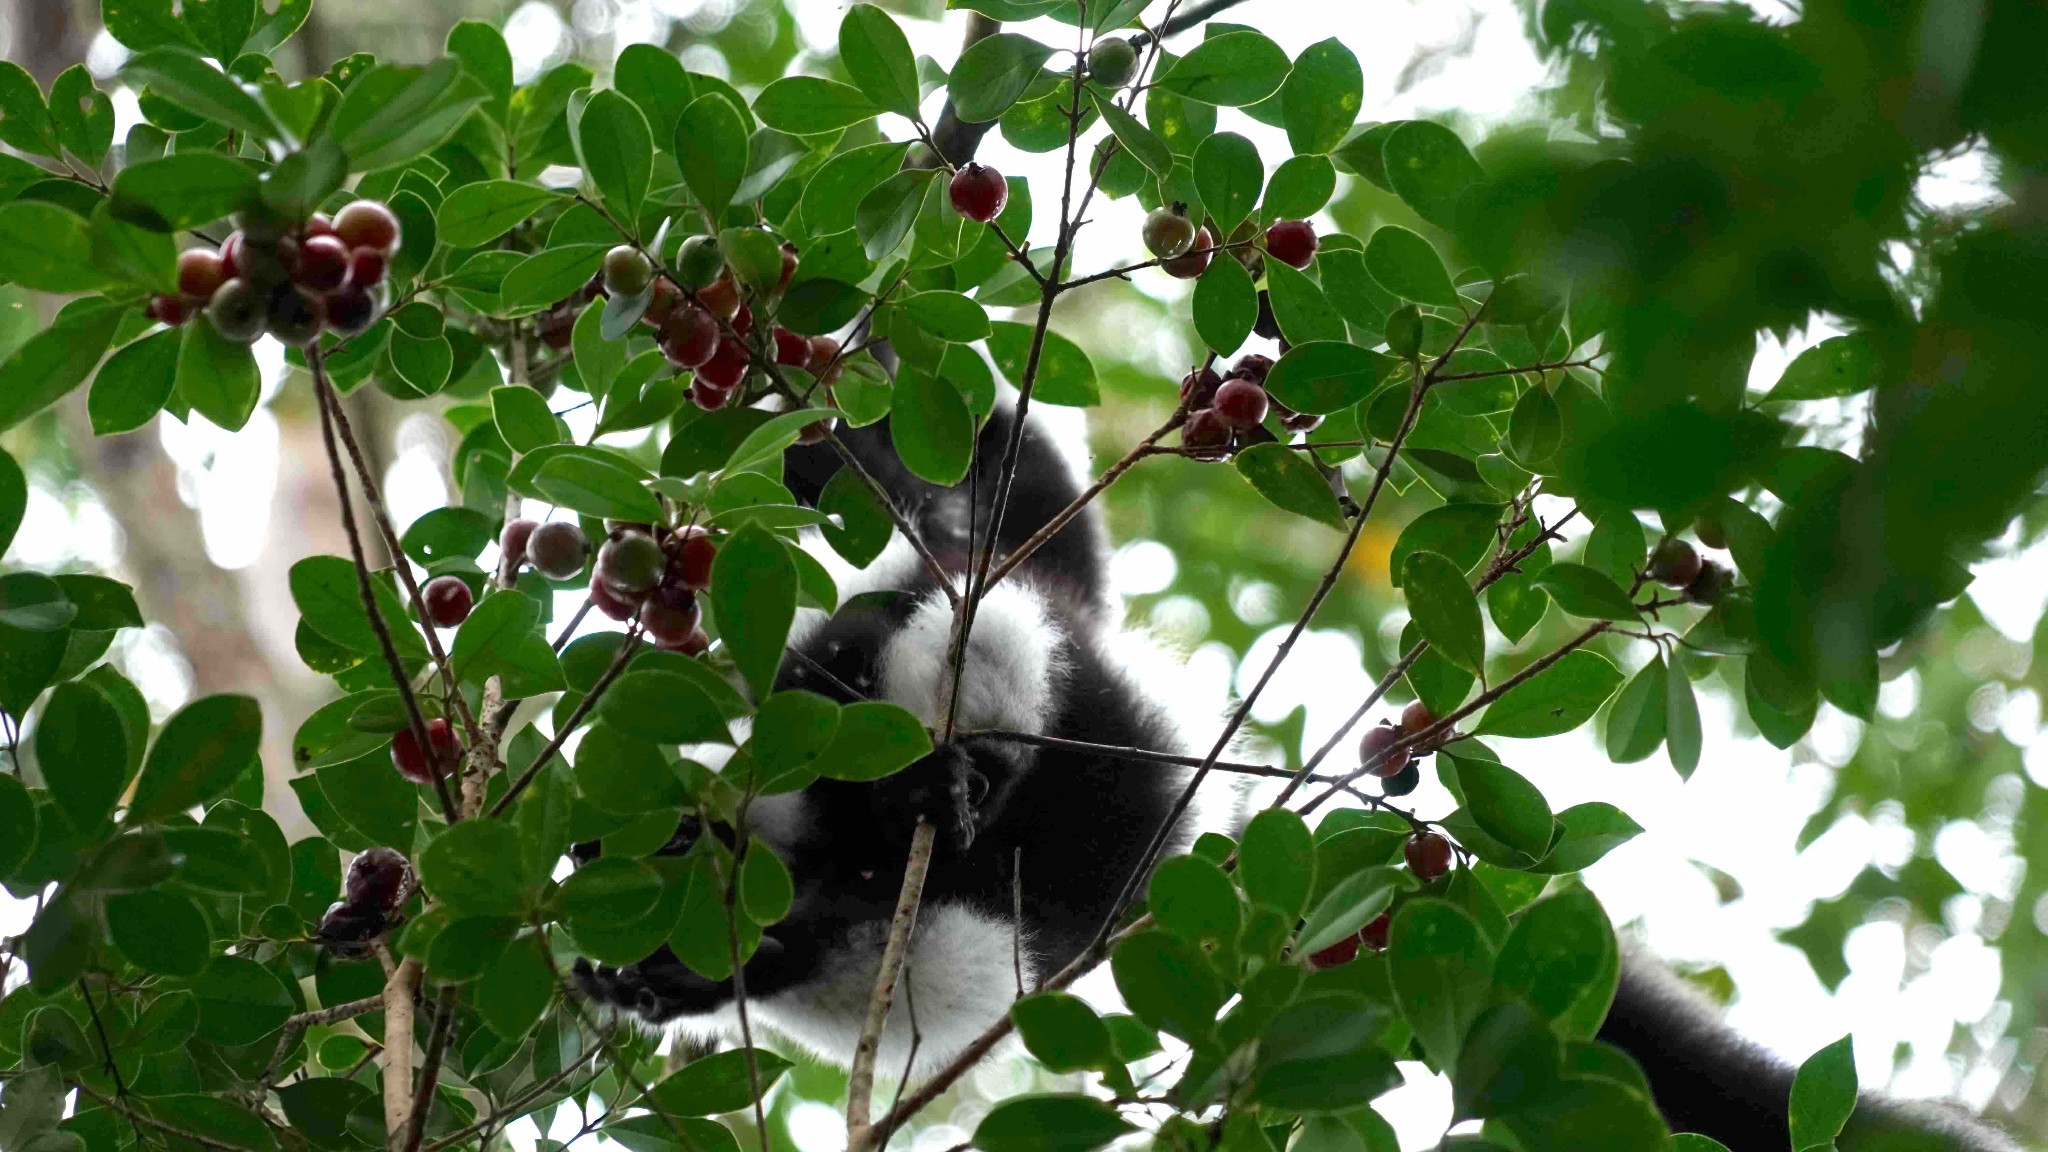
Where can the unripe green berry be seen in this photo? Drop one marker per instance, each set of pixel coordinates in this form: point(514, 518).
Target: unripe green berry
point(1112, 62)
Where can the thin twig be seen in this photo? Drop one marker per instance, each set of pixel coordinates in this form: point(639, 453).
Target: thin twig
point(932, 566)
point(153, 1122)
point(1061, 518)
point(860, 1133)
point(107, 1051)
point(1174, 26)
point(430, 1073)
point(1137, 755)
point(582, 709)
point(524, 1101)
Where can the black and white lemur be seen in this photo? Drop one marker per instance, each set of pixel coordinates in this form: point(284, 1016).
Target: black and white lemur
point(1044, 658)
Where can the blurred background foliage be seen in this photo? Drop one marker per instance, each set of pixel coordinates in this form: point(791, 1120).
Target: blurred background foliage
point(1779, 188)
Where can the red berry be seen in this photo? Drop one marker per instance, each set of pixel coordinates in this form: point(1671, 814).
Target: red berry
point(1206, 436)
point(1253, 367)
point(979, 192)
point(411, 760)
point(171, 310)
point(1292, 242)
point(1415, 717)
point(238, 311)
point(788, 267)
point(695, 644)
point(230, 255)
point(1675, 564)
point(1706, 588)
point(1375, 743)
point(791, 349)
point(296, 315)
point(512, 541)
point(1374, 935)
point(709, 396)
point(366, 267)
point(1241, 403)
point(558, 327)
point(823, 351)
point(689, 337)
point(367, 224)
point(1342, 952)
point(200, 272)
point(721, 296)
point(324, 263)
point(743, 321)
point(318, 224)
point(662, 304)
point(1429, 855)
point(691, 566)
point(447, 601)
point(631, 563)
point(726, 368)
point(1199, 387)
point(557, 549)
point(669, 620)
point(1195, 260)
point(609, 601)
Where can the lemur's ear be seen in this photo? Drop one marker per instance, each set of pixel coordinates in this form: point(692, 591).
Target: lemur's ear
point(1011, 672)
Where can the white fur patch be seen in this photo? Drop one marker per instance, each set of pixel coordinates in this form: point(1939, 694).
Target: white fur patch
point(896, 567)
point(961, 978)
point(1011, 671)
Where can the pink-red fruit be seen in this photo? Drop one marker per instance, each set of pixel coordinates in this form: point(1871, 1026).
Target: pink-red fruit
point(557, 549)
point(447, 601)
point(367, 224)
point(1375, 743)
point(1428, 854)
point(411, 760)
point(1241, 403)
point(979, 192)
point(1292, 242)
point(1195, 261)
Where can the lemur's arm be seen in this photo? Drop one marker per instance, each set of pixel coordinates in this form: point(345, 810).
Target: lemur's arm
point(1709, 1080)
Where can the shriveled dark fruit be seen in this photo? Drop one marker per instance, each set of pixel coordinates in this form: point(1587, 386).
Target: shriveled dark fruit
point(1206, 436)
point(631, 563)
point(788, 268)
point(558, 327)
point(1199, 387)
point(823, 351)
point(367, 224)
point(1168, 232)
point(978, 192)
point(375, 880)
point(352, 310)
point(557, 549)
point(1374, 935)
point(791, 349)
point(696, 644)
point(1112, 61)
point(1403, 782)
point(323, 263)
point(1428, 855)
point(709, 396)
point(238, 311)
point(1292, 242)
point(512, 541)
point(1709, 585)
point(609, 602)
point(347, 930)
point(1267, 325)
point(1711, 532)
point(411, 760)
point(1253, 367)
point(721, 297)
point(1336, 955)
point(447, 601)
point(726, 367)
point(366, 267)
point(201, 272)
point(1674, 563)
point(699, 262)
point(296, 315)
point(1195, 260)
point(1241, 403)
point(662, 304)
point(668, 621)
point(627, 271)
point(171, 310)
point(689, 337)
point(690, 567)
point(1375, 743)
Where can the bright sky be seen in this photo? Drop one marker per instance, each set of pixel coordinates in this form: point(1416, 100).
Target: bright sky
point(1739, 813)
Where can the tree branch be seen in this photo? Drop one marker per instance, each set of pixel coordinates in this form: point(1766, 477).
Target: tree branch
point(396, 1064)
point(860, 1088)
point(1137, 755)
point(1038, 539)
point(430, 1074)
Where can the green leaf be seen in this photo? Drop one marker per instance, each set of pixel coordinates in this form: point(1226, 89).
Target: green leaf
point(1442, 971)
point(1300, 186)
point(1584, 592)
point(329, 596)
point(753, 594)
point(523, 418)
point(1229, 176)
point(1289, 482)
point(1838, 366)
point(24, 118)
point(1536, 428)
point(1557, 699)
point(1226, 305)
point(476, 214)
point(1445, 609)
point(1234, 69)
point(594, 481)
point(134, 384)
point(1299, 306)
point(792, 729)
point(1168, 983)
point(1505, 805)
point(198, 755)
point(515, 989)
point(83, 751)
point(84, 115)
point(874, 740)
point(130, 255)
point(1323, 1053)
point(1681, 721)
point(933, 430)
point(159, 932)
point(766, 890)
point(46, 248)
point(1048, 1122)
point(663, 707)
point(1462, 532)
point(218, 377)
point(948, 316)
point(1351, 905)
point(711, 150)
point(467, 868)
point(33, 602)
point(143, 24)
point(1324, 376)
point(993, 73)
point(884, 216)
point(877, 55)
point(13, 499)
point(1587, 832)
point(1823, 1096)
point(1321, 97)
point(719, 1083)
point(610, 890)
point(1066, 375)
point(240, 1001)
point(197, 87)
point(809, 105)
point(1193, 899)
point(306, 178)
point(1553, 955)
point(1062, 1031)
point(1276, 861)
point(1636, 723)
point(1429, 167)
point(843, 182)
point(394, 112)
point(17, 824)
point(625, 775)
point(1141, 142)
point(614, 148)
point(1406, 265)
point(485, 55)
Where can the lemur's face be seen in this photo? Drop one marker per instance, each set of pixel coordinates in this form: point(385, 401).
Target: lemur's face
point(846, 843)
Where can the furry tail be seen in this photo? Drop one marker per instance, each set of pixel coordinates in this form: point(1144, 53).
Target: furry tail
point(1707, 1079)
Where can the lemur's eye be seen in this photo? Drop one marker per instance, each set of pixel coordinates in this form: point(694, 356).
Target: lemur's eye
point(977, 788)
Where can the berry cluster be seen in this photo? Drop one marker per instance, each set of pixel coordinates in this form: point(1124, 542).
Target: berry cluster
point(290, 279)
point(1676, 564)
point(642, 570)
point(1429, 856)
point(1400, 770)
point(1226, 412)
point(374, 889)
